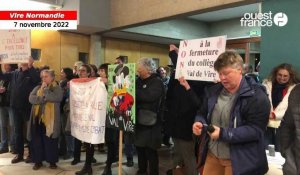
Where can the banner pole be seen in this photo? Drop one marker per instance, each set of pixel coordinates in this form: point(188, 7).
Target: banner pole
point(120, 152)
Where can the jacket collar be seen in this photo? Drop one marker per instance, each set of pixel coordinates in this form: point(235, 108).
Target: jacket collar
point(244, 89)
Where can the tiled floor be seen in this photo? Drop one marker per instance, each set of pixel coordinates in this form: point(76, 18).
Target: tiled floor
point(65, 168)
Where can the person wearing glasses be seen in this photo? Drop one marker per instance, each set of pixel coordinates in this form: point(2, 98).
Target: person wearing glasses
point(84, 72)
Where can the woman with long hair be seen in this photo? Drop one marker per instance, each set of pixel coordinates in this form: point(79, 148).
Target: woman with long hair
point(279, 85)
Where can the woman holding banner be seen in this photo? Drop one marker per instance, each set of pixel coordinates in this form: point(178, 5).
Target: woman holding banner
point(149, 93)
point(84, 72)
point(44, 126)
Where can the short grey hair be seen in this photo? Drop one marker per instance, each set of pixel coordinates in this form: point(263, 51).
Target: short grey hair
point(78, 63)
point(49, 72)
point(148, 63)
point(229, 58)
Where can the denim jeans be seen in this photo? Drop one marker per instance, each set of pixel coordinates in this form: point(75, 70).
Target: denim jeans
point(6, 120)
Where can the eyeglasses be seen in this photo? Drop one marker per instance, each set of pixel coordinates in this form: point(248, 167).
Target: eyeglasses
point(82, 70)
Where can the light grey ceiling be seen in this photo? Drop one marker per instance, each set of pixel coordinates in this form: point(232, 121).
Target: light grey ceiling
point(226, 14)
point(140, 37)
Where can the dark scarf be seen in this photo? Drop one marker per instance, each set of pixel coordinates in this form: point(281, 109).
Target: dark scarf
point(277, 93)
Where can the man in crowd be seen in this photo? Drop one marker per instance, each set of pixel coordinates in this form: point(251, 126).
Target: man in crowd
point(22, 82)
point(6, 114)
point(183, 100)
point(76, 67)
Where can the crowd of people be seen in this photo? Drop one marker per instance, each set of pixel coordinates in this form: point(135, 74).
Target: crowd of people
point(216, 128)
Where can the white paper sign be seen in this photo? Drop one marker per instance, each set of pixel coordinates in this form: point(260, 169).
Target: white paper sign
point(196, 58)
point(88, 99)
point(14, 46)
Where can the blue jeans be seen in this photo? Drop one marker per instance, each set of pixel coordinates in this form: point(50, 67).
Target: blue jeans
point(6, 119)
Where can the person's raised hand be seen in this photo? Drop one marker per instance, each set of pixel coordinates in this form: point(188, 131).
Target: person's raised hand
point(184, 83)
point(173, 47)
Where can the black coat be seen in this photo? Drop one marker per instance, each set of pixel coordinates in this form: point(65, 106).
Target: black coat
point(290, 134)
point(4, 97)
point(149, 92)
point(182, 105)
point(21, 84)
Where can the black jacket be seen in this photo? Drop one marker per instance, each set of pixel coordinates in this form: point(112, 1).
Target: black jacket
point(290, 134)
point(182, 105)
point(4, 97)
point(21, 84)
point(149, 92)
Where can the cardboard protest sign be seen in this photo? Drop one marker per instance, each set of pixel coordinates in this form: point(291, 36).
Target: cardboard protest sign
point(88, 109)
point(196, 58)
point(14, 46)
point(121, 97)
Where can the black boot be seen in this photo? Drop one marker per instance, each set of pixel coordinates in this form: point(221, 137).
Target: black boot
point(75, 161)
point(94, 160)
point(85, 170)
point(107, 170)
point(129, 162)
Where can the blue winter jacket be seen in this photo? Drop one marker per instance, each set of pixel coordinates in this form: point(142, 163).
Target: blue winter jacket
point(248, 121)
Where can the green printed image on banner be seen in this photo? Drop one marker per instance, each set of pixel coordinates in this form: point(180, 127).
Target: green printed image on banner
point(121, 97)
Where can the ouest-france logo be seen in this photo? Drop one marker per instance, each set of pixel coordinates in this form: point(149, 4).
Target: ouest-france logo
point(264, 19)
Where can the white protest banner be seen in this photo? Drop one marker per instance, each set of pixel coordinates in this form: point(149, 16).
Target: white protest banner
point(196, 58)
point(88, 99)
point(14, 46)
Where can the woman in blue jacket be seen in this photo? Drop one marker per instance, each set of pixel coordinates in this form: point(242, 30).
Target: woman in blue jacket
point(238, 108)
